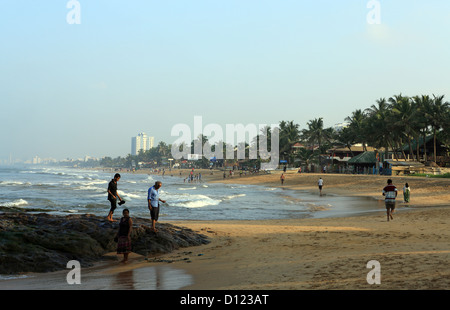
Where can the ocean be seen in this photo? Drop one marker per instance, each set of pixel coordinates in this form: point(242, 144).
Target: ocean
point(63, 191)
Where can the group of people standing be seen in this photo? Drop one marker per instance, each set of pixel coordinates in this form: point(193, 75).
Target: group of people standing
point(123, 236)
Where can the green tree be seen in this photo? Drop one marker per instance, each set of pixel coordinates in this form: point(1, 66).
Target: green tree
point(437, 118)
point(289, 135)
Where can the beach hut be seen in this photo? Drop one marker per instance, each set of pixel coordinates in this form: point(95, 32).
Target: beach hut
point(341, 155)
point(364, 163)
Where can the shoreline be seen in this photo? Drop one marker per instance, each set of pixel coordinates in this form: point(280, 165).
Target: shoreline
point(311, 253)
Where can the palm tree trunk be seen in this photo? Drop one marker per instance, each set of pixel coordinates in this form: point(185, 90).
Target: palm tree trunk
point(434, 141)
point(401, 148)
point(410, 148)
point(350, 148)
point(418, 147)
point(425, 157)
point(393, 150)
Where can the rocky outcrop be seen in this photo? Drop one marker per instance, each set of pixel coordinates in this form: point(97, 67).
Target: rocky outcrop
point(43, 242)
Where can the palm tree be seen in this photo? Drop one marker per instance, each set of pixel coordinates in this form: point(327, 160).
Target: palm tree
point(263, 141)
point(396, 126)
point(377, 130)
point(346, 137)
point(404, 112)
point(445, 133)
point(437, 118)
point(306, 156)
point(423, 104)
point(357, 127)
point(289, 135)
point(163, 149)
point(316, 133)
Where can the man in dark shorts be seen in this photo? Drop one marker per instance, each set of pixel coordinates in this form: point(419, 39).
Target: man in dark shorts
point(112, 196)
point(320, 183)
point(153, 203)
point(390, 193)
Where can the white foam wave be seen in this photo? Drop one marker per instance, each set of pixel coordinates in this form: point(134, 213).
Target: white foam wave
point(14, 183)
point(92, 188)
point(235, 196)
point(149, 179)
point(15, 203)
point(186, 188)
point(130, 195)
point(197, 201)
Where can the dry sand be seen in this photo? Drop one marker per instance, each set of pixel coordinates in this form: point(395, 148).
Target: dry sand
point(307, 254)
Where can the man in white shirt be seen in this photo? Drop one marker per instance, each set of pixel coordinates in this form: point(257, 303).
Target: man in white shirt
point(153, 203)
point(320, 185)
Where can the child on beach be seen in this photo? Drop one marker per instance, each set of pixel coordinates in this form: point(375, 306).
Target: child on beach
point(123, 236)
point(320, 183)
point(406, 192)
point(282, 178)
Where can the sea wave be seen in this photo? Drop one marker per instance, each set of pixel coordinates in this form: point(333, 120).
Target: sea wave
point(14, 203)
point(197, 201)
point(130, 195)
point(14, 183)
point(235, 196)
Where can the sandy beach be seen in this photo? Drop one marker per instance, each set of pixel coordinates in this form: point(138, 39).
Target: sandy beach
point(306, 254)
point(332, 253)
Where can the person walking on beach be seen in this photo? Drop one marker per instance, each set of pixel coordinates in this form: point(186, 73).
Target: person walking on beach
point(406, 192)
point(123, 236)
point(112, 196)
point(153, 203)
point(390, 193)
point(282, 178)
point(320, 183)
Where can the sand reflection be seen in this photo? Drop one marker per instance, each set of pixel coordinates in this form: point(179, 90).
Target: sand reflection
point(151, 278)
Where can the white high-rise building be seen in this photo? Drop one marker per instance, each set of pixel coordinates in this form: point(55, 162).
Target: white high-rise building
point(141, 142)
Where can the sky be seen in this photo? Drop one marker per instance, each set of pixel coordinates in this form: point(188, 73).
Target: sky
point(70, 89)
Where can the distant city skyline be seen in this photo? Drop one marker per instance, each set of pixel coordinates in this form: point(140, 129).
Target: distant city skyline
point(78, 80)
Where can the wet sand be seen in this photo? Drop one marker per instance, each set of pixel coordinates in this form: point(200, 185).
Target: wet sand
point(298, 254)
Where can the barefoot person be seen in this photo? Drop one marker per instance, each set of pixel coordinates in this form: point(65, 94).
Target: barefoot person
point(406, 192)
point(390, 193)
point(112, 196)
point(282, 178)
point(153, 203)
point(124, 235)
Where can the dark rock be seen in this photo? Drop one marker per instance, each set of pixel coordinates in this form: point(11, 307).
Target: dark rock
point(43, 242)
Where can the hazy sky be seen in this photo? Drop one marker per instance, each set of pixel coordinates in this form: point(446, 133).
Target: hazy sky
point(69, 90)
